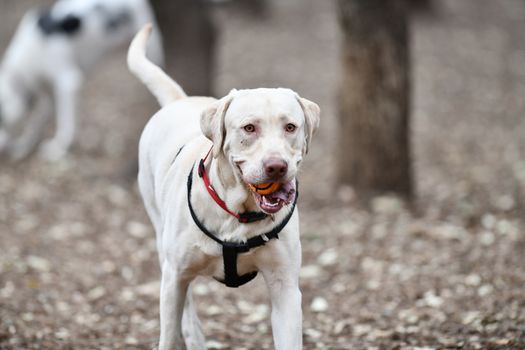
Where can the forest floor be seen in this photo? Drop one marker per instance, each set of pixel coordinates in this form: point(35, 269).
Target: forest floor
point(78, 266)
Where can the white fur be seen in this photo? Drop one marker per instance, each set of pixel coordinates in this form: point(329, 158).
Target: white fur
point(184, 251)
point(52, 67)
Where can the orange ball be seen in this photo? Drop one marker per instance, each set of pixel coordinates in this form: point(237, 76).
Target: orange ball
point(265, 188)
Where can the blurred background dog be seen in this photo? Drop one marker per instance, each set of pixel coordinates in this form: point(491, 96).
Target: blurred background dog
point(46, 61)
point(78, 261)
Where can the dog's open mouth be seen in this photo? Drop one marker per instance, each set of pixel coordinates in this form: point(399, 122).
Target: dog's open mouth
point(272, 197)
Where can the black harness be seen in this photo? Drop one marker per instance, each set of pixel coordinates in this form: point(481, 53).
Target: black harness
point(230, 250)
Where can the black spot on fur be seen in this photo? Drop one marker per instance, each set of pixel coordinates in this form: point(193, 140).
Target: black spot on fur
point(68, 25)
point(45, 23)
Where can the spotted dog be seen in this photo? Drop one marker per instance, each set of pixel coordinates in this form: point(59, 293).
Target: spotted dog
point(207, 170)
point(46, 61)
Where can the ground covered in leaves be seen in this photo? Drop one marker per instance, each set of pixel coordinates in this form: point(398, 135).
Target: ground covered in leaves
point(78, 266)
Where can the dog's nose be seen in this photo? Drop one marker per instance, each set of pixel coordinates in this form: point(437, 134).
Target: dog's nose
point(275, 168)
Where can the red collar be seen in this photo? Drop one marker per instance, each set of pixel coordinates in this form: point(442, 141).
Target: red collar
point(244, 218)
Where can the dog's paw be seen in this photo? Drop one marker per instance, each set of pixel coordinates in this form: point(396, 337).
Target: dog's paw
point(51, 150)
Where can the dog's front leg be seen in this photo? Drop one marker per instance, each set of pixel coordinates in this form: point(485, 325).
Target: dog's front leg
point(65, 89)
point(191, 326)
point(172, 298)
point(287, 317)
point(27, 142)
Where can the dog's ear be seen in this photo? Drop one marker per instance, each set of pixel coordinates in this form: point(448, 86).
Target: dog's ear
point(312, 113)
point(212, 122)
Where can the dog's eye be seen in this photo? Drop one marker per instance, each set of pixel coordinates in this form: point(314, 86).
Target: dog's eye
point(249, 128)
point(290, 127)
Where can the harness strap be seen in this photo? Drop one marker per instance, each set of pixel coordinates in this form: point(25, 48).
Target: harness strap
point(230, 250)
point(231, 277)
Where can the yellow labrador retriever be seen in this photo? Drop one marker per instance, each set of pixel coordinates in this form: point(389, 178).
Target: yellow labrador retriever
point(218, 180)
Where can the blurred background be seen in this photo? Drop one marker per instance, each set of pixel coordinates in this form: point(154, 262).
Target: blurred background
point(412, 195)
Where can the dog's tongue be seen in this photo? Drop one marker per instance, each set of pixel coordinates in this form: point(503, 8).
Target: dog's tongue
point(285, 193)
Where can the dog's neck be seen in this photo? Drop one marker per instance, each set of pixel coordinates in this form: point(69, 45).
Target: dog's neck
point(230, 187)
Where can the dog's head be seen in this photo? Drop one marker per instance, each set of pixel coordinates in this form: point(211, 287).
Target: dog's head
point(264, 135)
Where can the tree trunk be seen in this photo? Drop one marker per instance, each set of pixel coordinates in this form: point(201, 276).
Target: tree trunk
point(374, 152)
point(188, 38)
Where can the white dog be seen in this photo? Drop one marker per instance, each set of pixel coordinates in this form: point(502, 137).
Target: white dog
point(201, 162)
point(46, 60)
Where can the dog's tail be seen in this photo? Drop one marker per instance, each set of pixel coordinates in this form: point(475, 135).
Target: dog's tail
point(165, 89)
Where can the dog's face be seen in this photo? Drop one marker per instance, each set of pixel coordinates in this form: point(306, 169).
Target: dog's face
point(264, 134)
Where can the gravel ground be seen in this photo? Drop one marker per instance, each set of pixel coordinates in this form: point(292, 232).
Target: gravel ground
point(78, 266)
